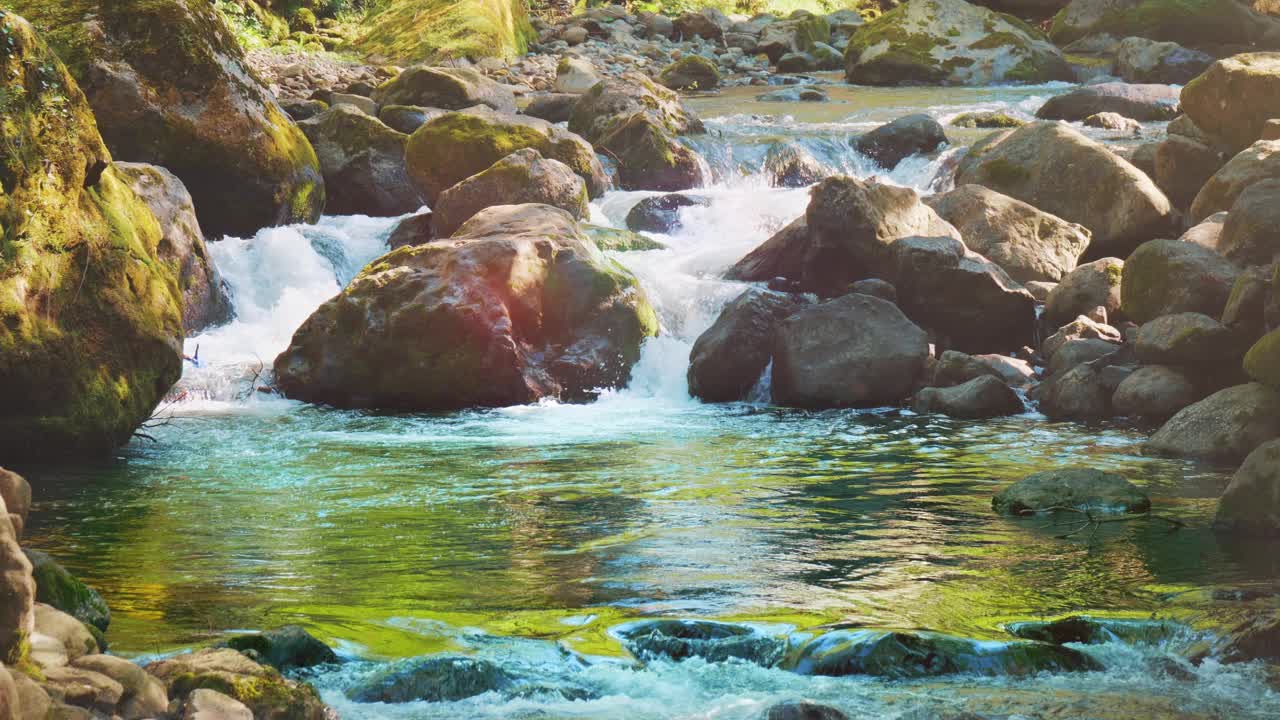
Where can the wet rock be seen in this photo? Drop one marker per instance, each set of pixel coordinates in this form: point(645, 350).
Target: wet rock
point(1232, 101)
point(518, 291)
point(1095, 284)
point(453, 147)
point(1249, 234)
point(800, 93)
point(1044, 164)
point(552, 107)
point(854, 351)
point(262, 689)
point(414, 230)
point(524, 176)
point(661, 214)
point(1155, 392)
point(1251, 503)
point(363, 162)
point(1140, 60)
point(961, 295)
point(1257, 638)
point(925, 654)
point(359, 102)
point(1027, 243)
point(1084, 630)
point(69, 633)
point(691, 72)
point(910, 135)
point(705, 639)
point(1146, 103)
point(803, 710)
point(303, 109)
point(1163, 277)
point(408, 118)
point(432, 679)
point(728, 359)
point(1260, 161)
point(949, 42)
point(1226, 426)
point(1077, 394)
point(182, 245)
point(206, 704)
point(789, 164)
point(989, 120)
point(981, 397)
point(781, 256)
point(619, 240)
point(284, 648)
point(1079, 350)
point(575, 76)
point(1185, 339)
point(797, 62)
point(58, 588)
point(142, 696)
point(1183, 165)
point(449, 88)
point(1112, 121)
point(1080, 488)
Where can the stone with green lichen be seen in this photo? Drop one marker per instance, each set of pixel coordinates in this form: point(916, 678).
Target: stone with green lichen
point(991, 120)
point(1190, 22)
point(262, 689)
point(1226, 426)
point(447, 88)
point(1255, 164)
point(524, 176)
point(410, 31)
point(691, 72)
point(1234, 99)
point(518, 305)
point(1072, 487)
point(60, 589)
point(1262, 362)
point(1187, 339)
point(363, 163)
point(1163, 277)
point(90, 316)
point(619, 239)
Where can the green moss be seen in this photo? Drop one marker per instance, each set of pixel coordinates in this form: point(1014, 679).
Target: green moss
point(1002, 173)
point(997, 40)
point(619, 240)
point(1185, 21)
point(433, 30)
point(1262, 362)
point(987, 120)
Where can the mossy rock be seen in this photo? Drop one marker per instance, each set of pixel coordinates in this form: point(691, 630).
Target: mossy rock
point(59, 588)
point(1262, 362)
point(90, 317)
point(284, 648)
point(650, 157)
point(412, 31)
point(691, 72)
point(262, 689)
point(1189, 22)
point(620, 240)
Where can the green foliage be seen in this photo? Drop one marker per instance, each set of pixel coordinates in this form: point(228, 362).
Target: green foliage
point(434, 30)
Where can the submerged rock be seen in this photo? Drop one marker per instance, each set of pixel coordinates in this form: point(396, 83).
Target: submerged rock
point(432, 679)
point(727, 360)
point(1084, 630)
point(661, 214)
point(706, 639)
point(284, 648)
point(1080, 488)
point(1251, 503)
point(803, 710)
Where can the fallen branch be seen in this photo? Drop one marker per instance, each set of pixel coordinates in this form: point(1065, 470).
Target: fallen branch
point(1092, 521)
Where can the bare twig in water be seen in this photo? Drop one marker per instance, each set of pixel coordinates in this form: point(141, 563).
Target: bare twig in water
point(253, 382)
point(1092, 521)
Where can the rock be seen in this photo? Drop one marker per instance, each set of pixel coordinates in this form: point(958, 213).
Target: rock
point(58, 588)
point(728, 359)
point(1234, 98)
point(284, 648)
point(453, 147)
point(524, 176)
point(803, 710)
point(1074, 487)
point(1163, 277)
point(1084, 630)
point(1210, 22)
point(854, 351)
point(263, 690)
point(691, 72)
point(142, 696)
point(1207, 233)
point(358, 102)
point(575, 76)
point(1080, 328)
point(892, 143)
point(956, 368)
point(918, 654)
point(799, 34)
point(1143, 157)
point(1258, 162)
point(1155, 392)
point(17, 593)
point(1044, 164)
point(1076, 351)
point(1139, 102)
point(709, 23)
point(797, 63)
point(781, 256)
point(1185, 339)
point(182, 245)
point(1226, 426)
point(1262, 362)
point(552, 107)
point(363, 162)
point(981, 397)
point(15, 493)
point(1027, 243)
point(1112, 121)
point(657, 25)
point(1245, 313)
point(1256, 638)
point(1249, 234)
point(1183, 165)
point(518, 305)
point(449, 88)
point(661, 213)
point(709, 640)
point(876, 287)
point(619, 240)
point(1077, 394)
point(987, 120)
point(950, 42)
point(408, 118)
point(575, 35)
point(961, 296)
point(612, 102)
point(431, 679)
point(71, 634)
point(85, 357)
point(1146, 61)
point(802, 93)
point(204, 704)
point(170, 86)
point(1251, 503)
point(789, 164)
point(31, 698)
point(1040, 289)
point(413, 230)
point(1088, 286)
point(83, 688)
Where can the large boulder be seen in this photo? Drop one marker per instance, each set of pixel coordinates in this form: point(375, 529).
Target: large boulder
point(956, 368)
point(1249, 234)
point(1140, 60)
point(708, 23)
point(1251, 503)
point(981, 397)
point(17, 594)
point(518, 305)
point(1163, 277)
point(691, 72)
point(967, 301)
point(1155, 392)
point(169, 85)
point(1077, 394)
point(524, 176)
point(1046, 163)
point(363, 163)
point(1092, 285)
point(1234, 98)
point(950, 42)
point(1028, 243)
point(453, 88)
point(728, 359)
point(1260, 161)
point(609, 103)
point(1190, 22)
point(1076, 351)
point(262, 689)
point(141, 695)
point(182, 245)
point(854, 351)
point(1187, 338)
point(60, 589)
point(1139, 102)
point(1072, 487)
point(1183, 165)
point(1262, 362)
point(453, 147)
point(894, 142)
point(799, 34)
point(91, 324)
point(1226, 426)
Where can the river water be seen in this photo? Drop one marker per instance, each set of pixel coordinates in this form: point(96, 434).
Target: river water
point(528, 534)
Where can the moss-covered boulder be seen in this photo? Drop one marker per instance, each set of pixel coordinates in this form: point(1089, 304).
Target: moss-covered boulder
point(90, 315)
point(1249, 233)
point(1256, 163)
point(456, 146)
point(447, 88)
point(1163, 277)
point(524, 176)
point(691, 72)
point(1077, 488)
point(437, 678)
point(410, 31)
point(800, 33)
point(619, 239)
point(989, 119)
point(950, 42)
point(1190, 22)
point(1251, 503)
point(1234, 98)
point(262, 689)
point(1262, 362)
point(59, 588)
point(1091, 285)
point(363, 163)
point(1046, 163)
point(518, 305)
point(170, 86)
point(1226, 426)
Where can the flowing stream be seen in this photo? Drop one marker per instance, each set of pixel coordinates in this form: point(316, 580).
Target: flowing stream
point(528, 534)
